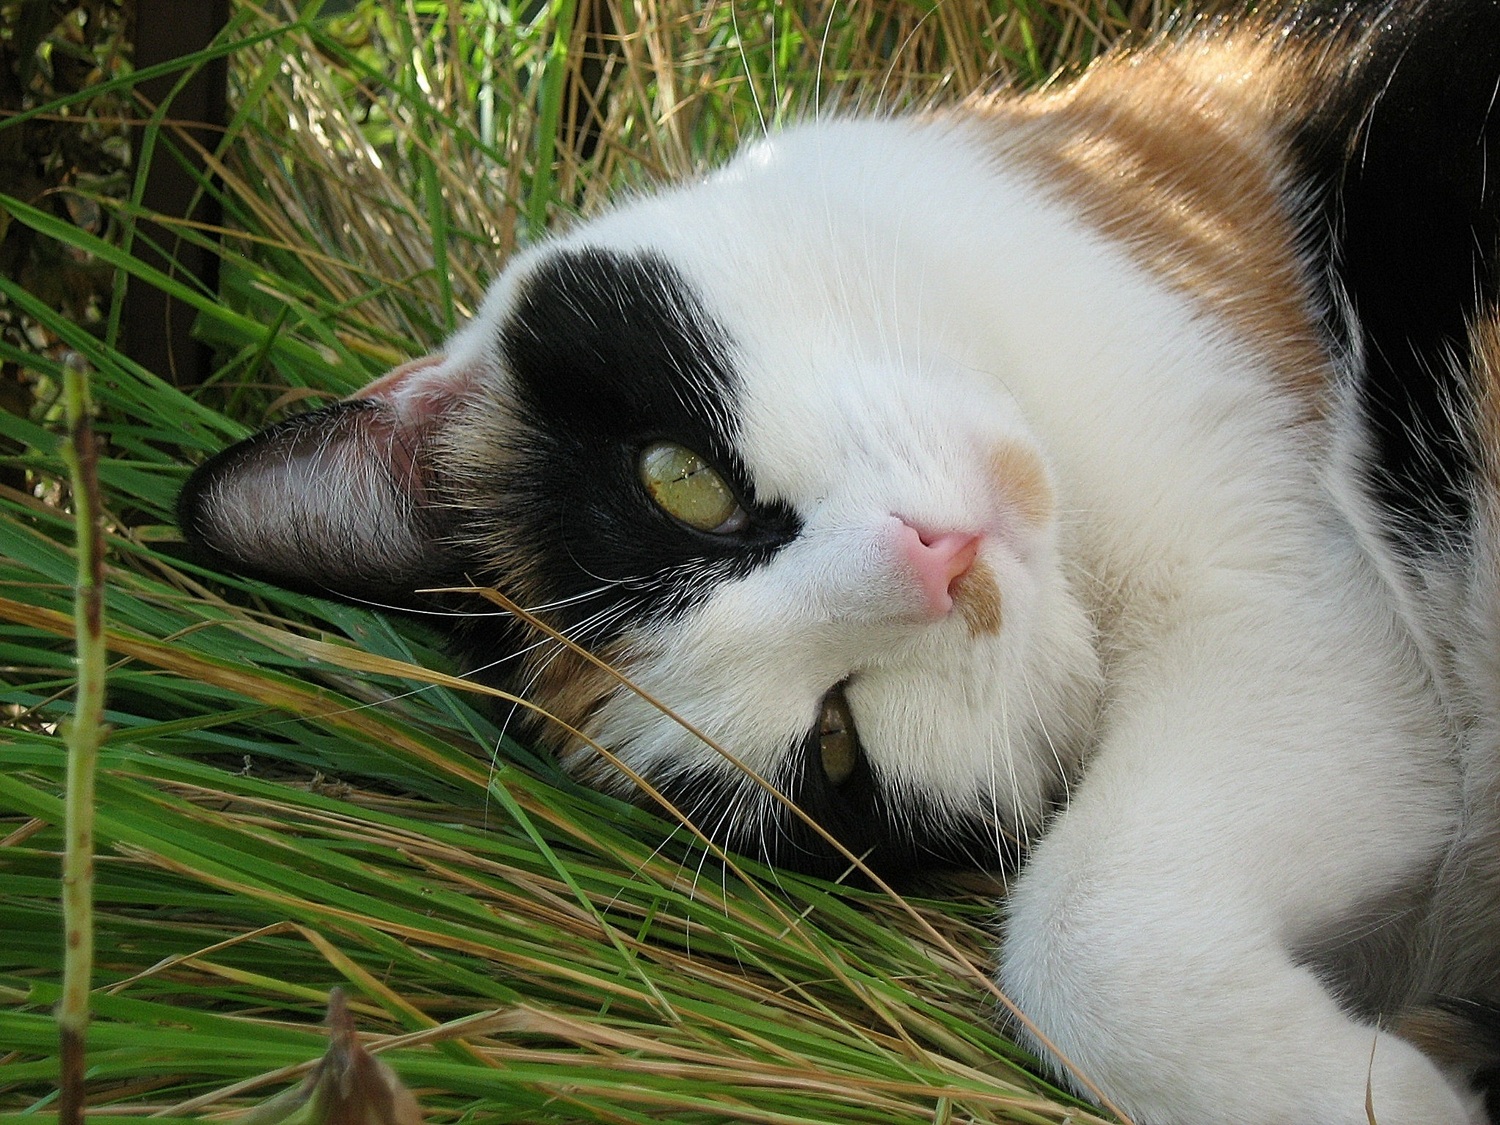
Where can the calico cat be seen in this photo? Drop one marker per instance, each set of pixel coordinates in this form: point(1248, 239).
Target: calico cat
point(1105, 478)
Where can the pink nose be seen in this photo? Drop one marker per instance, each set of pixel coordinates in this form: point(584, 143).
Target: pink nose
point(938, 560)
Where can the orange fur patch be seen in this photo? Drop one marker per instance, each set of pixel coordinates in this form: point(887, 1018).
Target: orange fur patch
point(1176, 152)
point(570, 690)
point(1484, 337)
point(1446, 1038)
point(976, 597)
point(1022, 479)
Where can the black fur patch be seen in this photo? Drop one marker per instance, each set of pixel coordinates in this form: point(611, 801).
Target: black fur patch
point(1403, 151)
point(605, 354)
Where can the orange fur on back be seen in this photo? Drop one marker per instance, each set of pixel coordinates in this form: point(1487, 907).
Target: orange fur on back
point(1179, 153)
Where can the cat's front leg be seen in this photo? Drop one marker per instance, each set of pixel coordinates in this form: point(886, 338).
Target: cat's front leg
point(1153, 936)
point(1182, 1010)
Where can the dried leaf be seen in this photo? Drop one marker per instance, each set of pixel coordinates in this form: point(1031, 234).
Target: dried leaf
point(349, 1086)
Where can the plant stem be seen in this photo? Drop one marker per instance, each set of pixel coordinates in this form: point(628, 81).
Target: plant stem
point(549, 114)
point(82, 735)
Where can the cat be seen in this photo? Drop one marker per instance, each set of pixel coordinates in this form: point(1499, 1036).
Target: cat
point(1102, 482)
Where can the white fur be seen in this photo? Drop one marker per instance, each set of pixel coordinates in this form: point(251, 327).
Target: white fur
point(1266, 749)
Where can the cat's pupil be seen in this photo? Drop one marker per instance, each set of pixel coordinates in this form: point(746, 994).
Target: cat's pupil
point(684, 485)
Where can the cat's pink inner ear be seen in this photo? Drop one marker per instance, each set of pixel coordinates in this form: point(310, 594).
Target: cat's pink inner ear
point(421, 391)
point(414, 400)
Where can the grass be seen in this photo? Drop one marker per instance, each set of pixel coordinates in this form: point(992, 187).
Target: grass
point(293, 795)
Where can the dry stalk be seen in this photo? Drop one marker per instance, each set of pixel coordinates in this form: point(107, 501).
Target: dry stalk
point(84, 735)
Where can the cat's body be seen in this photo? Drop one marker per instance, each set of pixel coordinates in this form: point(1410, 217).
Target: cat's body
point(1123, 462)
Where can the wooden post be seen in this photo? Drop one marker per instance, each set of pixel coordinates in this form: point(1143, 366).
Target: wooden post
point(156, 329)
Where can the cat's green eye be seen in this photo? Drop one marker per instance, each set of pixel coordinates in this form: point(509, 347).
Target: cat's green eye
point(689, 489)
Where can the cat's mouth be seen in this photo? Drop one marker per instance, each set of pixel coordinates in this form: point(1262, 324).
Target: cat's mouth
point(838, 739)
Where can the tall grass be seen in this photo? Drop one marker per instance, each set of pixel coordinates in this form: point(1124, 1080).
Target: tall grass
point(293, 794)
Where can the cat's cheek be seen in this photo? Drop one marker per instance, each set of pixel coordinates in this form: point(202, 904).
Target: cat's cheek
point(567, 693)
point(742, 674)
point(662, 705)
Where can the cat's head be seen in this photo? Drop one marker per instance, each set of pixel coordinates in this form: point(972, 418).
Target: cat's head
point(736, 440)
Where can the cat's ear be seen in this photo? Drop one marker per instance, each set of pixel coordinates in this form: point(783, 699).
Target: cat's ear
point(344, 500)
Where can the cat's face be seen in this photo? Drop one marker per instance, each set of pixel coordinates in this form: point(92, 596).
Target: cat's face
point(736, 441)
